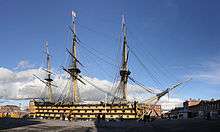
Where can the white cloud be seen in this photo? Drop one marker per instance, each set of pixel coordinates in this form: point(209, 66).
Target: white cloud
point(24, 64)
point(22, 84)
point(12, 82)
point(210, 72)
point(5, 74)
point(170, 103)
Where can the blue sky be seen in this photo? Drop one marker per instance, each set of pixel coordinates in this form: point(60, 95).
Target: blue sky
point(183, 36)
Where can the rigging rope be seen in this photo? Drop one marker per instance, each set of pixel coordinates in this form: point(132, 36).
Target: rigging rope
point(107, 62)
point(104, 73)
point(152, 76)
point(98, 88)
point(142, 86)
point(117, 62)
point(146, 69)
point(155, 61)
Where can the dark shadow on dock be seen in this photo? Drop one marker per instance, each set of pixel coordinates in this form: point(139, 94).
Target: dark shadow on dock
point(182, 125)
point(7, 123)
point(119, 125)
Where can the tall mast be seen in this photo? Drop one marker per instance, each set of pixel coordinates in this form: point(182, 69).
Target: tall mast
point(48, 79)
point(124, 72)
point(74, 70)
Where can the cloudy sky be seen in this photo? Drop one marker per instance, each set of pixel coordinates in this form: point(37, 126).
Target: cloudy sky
point(174, 39)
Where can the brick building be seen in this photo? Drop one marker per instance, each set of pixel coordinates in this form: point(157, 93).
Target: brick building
point(10, 111)
point(205, 109)
point(197, 108)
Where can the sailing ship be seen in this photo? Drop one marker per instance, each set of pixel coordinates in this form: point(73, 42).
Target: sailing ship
point(118, 108)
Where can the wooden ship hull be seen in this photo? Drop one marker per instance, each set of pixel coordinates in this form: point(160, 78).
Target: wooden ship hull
point(91, 111)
